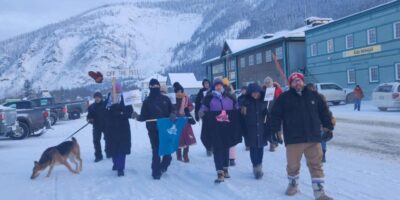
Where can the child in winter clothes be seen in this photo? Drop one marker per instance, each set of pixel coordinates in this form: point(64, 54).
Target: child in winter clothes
point(254, 111)
point(232, 151)
point(183, 108)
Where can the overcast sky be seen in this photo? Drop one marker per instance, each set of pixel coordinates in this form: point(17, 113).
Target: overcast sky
point(20, 16)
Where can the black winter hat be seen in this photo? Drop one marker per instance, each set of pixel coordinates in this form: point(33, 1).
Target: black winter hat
point(254, 87)
point(177, 86)
point(97, 94)
point(154, 82)
point(204, 81)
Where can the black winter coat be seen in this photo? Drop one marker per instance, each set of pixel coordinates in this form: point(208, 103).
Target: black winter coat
point(198, 102)
point(301, 115)
point(97, 112)
point(254, 128)
point(118, 128)
point(155, 107)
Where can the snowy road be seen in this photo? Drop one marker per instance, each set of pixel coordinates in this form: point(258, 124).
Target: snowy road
point(351, 174)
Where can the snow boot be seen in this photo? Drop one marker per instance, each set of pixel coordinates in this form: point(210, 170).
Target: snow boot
point(186, 155)
point(257, 171)
point(114, 168)
point(98, 159)
point(220, 177)
point(226, 173)
point(319, 192)
point(179, 154)
point(121, 173)
point(292, 188)
point(232, 162)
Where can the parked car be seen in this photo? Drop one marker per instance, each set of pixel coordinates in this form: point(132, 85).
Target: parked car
point(32, 120)
point(58, 111)
point(9, 126)
point(387, 95)
point(333, 92)
point(75, 109)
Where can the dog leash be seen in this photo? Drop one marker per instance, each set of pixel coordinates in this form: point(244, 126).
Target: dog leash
point(76, 131)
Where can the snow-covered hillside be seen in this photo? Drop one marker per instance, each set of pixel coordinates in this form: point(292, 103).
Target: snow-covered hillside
point(122, 35)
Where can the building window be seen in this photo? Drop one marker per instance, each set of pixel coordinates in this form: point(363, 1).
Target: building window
point(349, 41)
point(329, 45)
point(396, 30)
point(268, 56)
point(374, 74)
point(243, 62)
point(351, 76)
point(397, 66)
point(232, 65)
point(218, 69)
point(258, 58)
point(232, 75)
point(279, 53)
point(251, 60)
point(371, 36)
point(313, 49)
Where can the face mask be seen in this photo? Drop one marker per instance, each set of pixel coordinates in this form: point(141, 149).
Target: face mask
point(155, 91)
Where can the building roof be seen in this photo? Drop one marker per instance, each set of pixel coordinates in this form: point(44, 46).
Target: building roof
point(187, 80)
point(241, 45)
point(356, 15)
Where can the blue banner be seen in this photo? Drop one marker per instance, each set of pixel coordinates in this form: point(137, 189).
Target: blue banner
point(169, 134)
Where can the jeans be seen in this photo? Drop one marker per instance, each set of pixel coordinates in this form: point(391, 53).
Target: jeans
point(158, 164)
point(221, 158)
point(256, 155)
point(97, 143)
point(357, 104)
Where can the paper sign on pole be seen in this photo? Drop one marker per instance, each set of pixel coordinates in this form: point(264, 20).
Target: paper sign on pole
point(132, 97)
point(269, 94)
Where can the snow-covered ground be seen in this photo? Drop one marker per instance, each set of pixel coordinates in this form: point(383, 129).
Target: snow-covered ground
point(351, 173)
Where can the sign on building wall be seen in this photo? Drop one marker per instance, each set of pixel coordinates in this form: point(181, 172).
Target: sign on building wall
point(362, 51)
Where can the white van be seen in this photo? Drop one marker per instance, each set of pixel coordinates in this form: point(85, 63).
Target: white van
point(387, 95)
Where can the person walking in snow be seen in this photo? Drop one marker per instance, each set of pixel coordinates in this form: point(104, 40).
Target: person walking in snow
point(241, 99)
point(199, 99)
point(96, 117)
point(302, 112)
point(269, 83)
point(156, 106)
point(220, 116)
point(358, 96)
point(183, 108)
point(254, 111)
point(118, 129)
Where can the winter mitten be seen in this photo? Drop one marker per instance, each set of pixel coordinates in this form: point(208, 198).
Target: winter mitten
point(327, 135)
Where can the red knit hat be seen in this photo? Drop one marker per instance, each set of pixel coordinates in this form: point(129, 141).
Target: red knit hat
point(295, 75)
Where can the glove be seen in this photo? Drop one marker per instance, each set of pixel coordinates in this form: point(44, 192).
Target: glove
point(90, 121)
point(172, 117)
point(276, 138)
point(135, 115)
point(201, 114)
point(327, 135)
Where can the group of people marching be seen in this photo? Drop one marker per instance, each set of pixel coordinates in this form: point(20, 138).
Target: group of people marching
point(299, 117)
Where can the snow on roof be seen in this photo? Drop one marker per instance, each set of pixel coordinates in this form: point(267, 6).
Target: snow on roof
point(242, 44)
point(210, 60)
point(187, 80)
point(159, 77)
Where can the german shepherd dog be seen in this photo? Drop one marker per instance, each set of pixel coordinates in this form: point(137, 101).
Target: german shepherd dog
point(59, 155)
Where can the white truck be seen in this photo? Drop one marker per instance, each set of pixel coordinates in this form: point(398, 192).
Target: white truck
point(334, 93)
point(387, 95)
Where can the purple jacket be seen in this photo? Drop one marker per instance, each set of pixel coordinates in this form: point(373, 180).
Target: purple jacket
point(218, 103)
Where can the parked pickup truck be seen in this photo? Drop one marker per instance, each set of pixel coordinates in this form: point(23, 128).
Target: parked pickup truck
point(32, 120)
point(61, 110)
point(58, 111)
point(9, 126)
point(334, 93)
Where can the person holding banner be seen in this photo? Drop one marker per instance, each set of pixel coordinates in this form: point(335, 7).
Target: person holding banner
point(118, 128)
point(254, 111)
point(154, 107)
point(220, 115)
point(183, 108)
point(272, 92)
point(199, 99)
